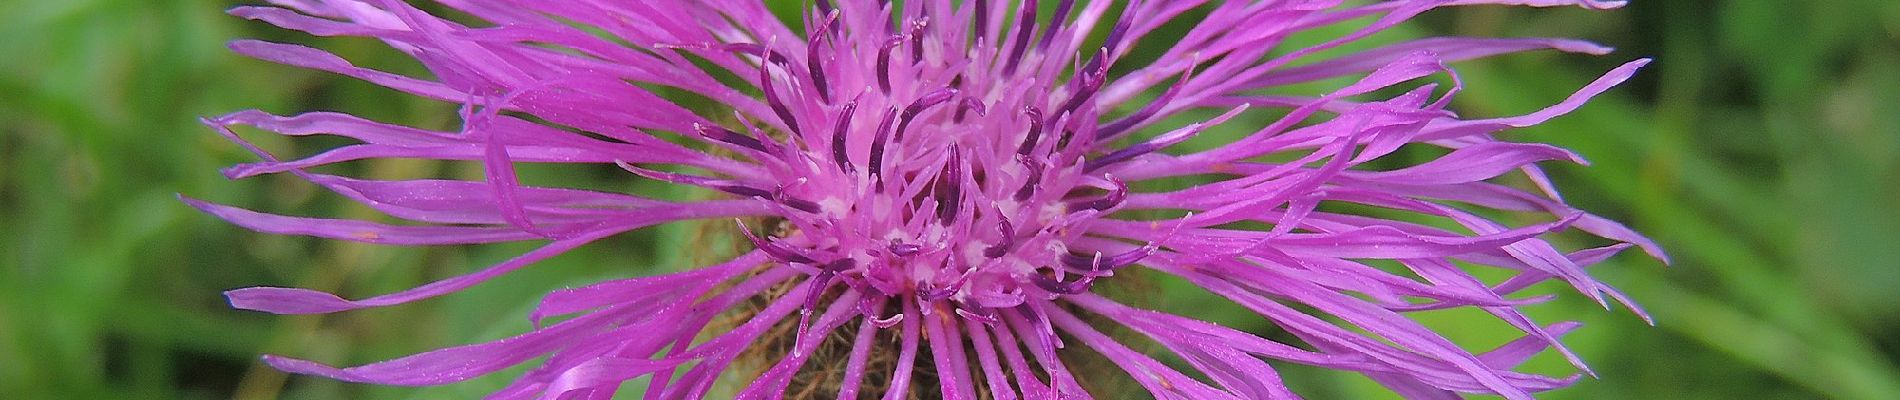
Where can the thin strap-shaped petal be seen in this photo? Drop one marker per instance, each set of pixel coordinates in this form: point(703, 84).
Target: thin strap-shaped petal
point(305, 57)
point(1011, 349)
point(715, 355)
point(1509, 355)
point(1442, 373)
point(1452, 49)
point(359, 231)
point(946, 349)
point(454, 364)
point(987, 361)
point(1475, 163)
point(1160, 380)
point(1387, 324)
point(566, 301)
point(1042, 345)
point(1154, 323)
point(1208, 348)
point(601, 372)
point(1454, 128)
point(278, 300)
point(467, 202)
point(906, 357)
point(771, 383)
point(853, 378)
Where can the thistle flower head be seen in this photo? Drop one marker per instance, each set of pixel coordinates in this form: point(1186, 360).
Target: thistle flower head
point(956, 175)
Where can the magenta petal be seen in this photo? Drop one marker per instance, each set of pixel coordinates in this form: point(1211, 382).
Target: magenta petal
point(359, 231)
point(775, 379)
point(453, 364)
point(602, 371)
point(1450, 129)
point(1451, 49)
point(1161, 381)
point(1475, 163)
point(304, 301)
point(633, 290)
point(306, 57)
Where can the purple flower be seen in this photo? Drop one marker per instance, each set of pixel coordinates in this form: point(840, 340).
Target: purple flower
point(951, 179)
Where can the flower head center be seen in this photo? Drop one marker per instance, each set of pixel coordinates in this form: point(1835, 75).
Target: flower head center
point(939, 178)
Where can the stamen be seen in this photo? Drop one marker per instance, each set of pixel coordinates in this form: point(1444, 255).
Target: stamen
point(877, 146)
point(1035, 177)
point(1084, 263)
point(905, 250)
point(923, 103)
point(970, 104)
point(728, 136)
point(710, 183)
point(1025, 24)
point(950, 188)
point(838, 136)
point(871, 302)
point(935, 294)
point(982, 314)
point(1035, 130)
point(818, 284)
point(812, 58)
point(1099, 263)
point(981, 17)
point(886, 322)
point(774, 248)
point(1121, 26)
point(1055, 23)
point(1114, 198)
point(884, 62)
point(793, 202)
point(1008, 242)
point(771, 97)
point(1054, 286)
point(917, 31)
point(1086, 83)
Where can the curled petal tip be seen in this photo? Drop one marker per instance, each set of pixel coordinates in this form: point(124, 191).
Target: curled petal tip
point(278, 300)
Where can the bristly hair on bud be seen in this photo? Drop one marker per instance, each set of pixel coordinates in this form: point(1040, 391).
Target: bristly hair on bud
point(953, 174)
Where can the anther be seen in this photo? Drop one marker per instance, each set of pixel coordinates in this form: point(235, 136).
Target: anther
point(1025, 25)
point(917, 107)
point(1035, 177)
point(772, 100)
point(877, 145)
point(839, 134)
point(884, 62)
point(1035, 130)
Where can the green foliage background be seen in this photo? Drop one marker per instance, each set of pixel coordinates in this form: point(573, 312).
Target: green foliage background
point(1762, 149)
